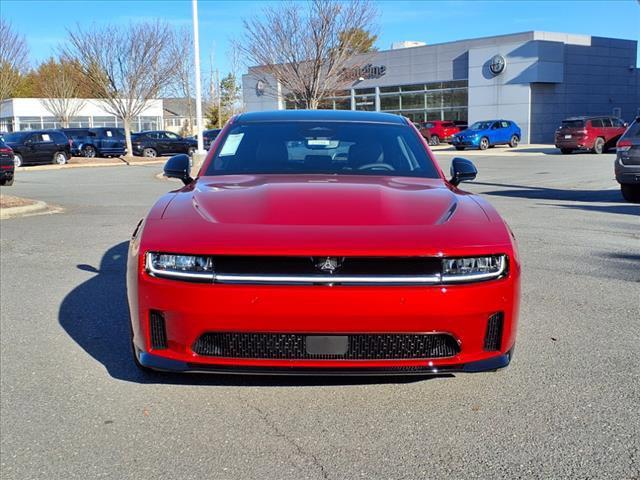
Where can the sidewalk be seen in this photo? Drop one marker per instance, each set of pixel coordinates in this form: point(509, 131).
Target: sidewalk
point(502, 150)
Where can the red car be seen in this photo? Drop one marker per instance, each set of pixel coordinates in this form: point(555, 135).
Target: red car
point(321, 242)
point(441, 130)
point(589, 133)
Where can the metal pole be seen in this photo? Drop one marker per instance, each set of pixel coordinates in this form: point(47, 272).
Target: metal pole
point(196, 54)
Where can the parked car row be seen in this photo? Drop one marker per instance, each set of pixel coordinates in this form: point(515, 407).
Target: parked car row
point(596, 134)
point(57, 146)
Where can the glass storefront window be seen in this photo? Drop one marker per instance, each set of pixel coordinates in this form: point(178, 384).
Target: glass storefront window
point(362, 91)
point(79, 122)
point(415, 100)
point(389, 102)
point(434, 100)
point(104, 121)
point(30, 123)
point(366, 102)
point(393, 89)
point(412, 88)
point(434, 86)
point(459, 98)
point(343, 103)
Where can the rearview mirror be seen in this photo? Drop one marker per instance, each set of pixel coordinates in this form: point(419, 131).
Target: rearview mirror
point(178, 166)
point(462, 170)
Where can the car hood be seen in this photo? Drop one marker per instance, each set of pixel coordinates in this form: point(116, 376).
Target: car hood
point(321, 213)
point(470, 133)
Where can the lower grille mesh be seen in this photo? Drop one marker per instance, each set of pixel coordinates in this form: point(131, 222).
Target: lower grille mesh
point(158, 330)
point(292, 346)
point(493, 335)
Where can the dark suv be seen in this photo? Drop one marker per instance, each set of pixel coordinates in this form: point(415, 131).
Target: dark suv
point(627, 165)
point(39, 146)
point(96, 142)
point(590, 133)
point(159, 142)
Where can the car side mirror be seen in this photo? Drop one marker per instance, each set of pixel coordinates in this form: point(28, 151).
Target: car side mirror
point(462, 170)
point(625, 125)
point(179, 166)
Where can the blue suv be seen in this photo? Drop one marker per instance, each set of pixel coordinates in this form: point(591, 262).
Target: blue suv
point(487, 133)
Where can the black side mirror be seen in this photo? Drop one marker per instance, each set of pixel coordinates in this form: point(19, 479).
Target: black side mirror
point(178, 166)
point(462, 170)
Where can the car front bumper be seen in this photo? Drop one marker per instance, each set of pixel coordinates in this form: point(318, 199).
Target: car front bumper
point(193, 309)
point(465, 142)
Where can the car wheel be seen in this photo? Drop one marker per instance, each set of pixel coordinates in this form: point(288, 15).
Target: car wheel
point(598, 146)
point(59, 158)
point(459, 148)
point(89, 152)
point(435, 140)
point(631, 193)
point(149, 152)
point(566, 151)
point(7, 183)
point(513, 143)
point(17, 160)
point(484, 143)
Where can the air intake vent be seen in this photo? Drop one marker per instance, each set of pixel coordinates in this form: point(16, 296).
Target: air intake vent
point(493, 337)
point(294, 346)
point(158, 330)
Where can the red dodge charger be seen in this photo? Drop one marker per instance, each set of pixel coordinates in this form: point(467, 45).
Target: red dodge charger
point(320, 242)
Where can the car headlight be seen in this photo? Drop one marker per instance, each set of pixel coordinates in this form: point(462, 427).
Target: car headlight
point(185, 267)
point(473, 268)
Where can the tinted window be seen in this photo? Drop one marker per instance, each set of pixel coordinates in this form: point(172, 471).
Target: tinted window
point(429, 125)
point(172, 136)
point(322, 147)
point(597, 123)
point(606, 122)
point(480, 126)
point(617, 122)
point(572, 123)
point(633, 130)
point(76, 134)
point(59, 137)
point(504, 124)
point(496, 125)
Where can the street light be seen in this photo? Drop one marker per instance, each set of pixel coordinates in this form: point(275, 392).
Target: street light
point(196, 54)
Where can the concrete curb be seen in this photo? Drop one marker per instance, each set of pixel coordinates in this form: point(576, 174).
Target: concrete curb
point(36, 208)
point(87, 165)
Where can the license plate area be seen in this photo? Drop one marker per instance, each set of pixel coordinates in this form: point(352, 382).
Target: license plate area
point(567, 136)
point(326, 344)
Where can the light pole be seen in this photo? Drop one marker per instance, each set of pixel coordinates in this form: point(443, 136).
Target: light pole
point(196, 54)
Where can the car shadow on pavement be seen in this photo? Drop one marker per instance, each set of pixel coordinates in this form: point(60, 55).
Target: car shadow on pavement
point(585, 196)
point(95, 314)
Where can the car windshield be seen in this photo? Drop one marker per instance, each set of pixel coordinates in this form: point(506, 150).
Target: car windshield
point(346, 148)
point(481, 126)
point(572, 123)
point(16, 137)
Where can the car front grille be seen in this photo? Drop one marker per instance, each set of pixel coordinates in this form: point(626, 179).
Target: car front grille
point(493, 334)
point(292, 346)
point(157, 330)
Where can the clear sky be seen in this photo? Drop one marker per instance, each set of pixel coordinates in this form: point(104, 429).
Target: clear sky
point(44, 23)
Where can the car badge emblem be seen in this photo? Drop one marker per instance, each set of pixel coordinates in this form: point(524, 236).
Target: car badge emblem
point(328, 264)
point(497, 64)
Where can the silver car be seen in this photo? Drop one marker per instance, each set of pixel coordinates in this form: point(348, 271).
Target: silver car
point(627, 165)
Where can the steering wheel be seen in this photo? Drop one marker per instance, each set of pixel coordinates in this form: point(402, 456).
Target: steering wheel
point(384, 166)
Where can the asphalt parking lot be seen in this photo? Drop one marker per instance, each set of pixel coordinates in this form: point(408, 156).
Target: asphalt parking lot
point(74, 406)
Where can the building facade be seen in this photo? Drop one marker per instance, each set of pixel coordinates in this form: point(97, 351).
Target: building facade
point(533, 78)
point(17, 114)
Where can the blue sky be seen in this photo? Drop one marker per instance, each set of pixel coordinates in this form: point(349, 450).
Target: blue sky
point(44, 23)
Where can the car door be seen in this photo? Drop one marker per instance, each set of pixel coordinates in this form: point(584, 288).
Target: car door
point(506, 130)
point(607, 129)
point(109, 140)
point(45, 147)
point(495, 133)
point(175, 143)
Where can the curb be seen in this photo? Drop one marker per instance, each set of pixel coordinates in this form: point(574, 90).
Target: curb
point(87, 165)
point(35, 208)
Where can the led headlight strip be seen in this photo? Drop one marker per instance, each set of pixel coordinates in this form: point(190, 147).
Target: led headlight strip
point(201, 268)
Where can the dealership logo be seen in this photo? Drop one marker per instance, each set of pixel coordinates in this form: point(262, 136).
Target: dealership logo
point(366, 72)
point(497, 64)
point(328, 264)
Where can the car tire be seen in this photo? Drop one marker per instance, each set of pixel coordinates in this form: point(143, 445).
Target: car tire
point(59, 158)
point(484, 143)
point(7, 183)
point(17, 160)
point(598, 146)
point(149, 152)
point(566, 151)
point(435, 140)
point(459, 148)
point(631, 193)
point(513, 143)
point(89, 152)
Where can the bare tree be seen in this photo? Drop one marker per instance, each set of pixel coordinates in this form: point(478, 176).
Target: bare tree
point(13, 59)
point(62, 91)
point(181, 50)
point(307, 51)
point(126, 66)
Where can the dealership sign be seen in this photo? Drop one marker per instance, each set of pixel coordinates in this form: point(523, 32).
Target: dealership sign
point(366, 72)
point(497, 64)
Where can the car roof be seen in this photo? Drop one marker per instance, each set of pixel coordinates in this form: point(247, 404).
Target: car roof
point(320, 115)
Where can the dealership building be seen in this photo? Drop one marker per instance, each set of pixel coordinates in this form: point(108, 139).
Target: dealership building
point(533, 78)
